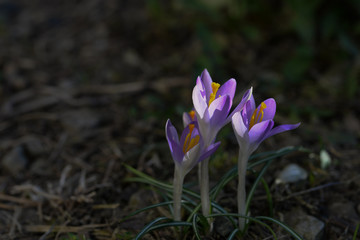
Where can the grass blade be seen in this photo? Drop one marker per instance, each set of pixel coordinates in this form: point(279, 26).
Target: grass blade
point(253, 188)
point(146, 208)
point(233, 234)
point(356, 231)
point(149, 226)
point(195, 227)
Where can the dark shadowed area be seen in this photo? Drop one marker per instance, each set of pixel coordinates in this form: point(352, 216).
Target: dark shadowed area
point(87, 86)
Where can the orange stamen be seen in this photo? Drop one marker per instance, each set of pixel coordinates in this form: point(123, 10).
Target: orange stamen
point(192, 115)
point(258, 115)
point(215, 87)
point(189, 142)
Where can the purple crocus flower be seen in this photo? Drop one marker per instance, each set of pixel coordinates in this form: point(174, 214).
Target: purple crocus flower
point(212, 104)
point(186, 152)
point(189, 149)
point(254, 125)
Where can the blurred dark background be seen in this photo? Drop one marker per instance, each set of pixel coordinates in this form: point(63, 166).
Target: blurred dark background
point(305, 54)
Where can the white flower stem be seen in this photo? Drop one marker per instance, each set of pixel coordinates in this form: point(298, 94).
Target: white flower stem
point(177, 193)
point(204, 188)
point(241, 194)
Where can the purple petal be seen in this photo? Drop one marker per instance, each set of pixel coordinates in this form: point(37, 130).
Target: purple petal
point(258, 132)
point(186, 119)
point(241, 130)
point(269, 111)
point(201, 87)
point(282, 128)
point(206, 80)
point(247, 95)
point(228, 88)
point(209, 151)
point(218, 110)
point(199, 102)
point(173, 141)
point(248, 112)
point(252, 105)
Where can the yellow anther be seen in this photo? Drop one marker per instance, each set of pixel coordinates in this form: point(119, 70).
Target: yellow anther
point(258, 115)
point(192, 115)
point(189, 142)
point(215, 87)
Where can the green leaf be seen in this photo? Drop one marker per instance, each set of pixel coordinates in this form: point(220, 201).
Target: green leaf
point(146, 208)
point(233, 234)
point(253, 188)
point(195, 227)
point(356, 231)
point(149, 226)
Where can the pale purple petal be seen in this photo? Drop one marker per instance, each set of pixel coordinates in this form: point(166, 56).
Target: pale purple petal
point(206, 80)
point(186, 119)
point(252, 105)
point(199, 102)
point(248, 112)
point(171, 133)
point(201, 87)
point(173, 141)
point(282, 128)
point(258, 132)
point(241, 130)
point(228, 88)
point(247, 95)
point(218, 110)
point(269, 111)
point(209, 151)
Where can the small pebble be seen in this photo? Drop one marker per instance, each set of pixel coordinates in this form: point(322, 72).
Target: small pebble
point(309, 227)
point(291, 173)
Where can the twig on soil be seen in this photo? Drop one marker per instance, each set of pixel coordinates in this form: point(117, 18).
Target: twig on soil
point(23, 201)
point(56, 228)
point(317, 188)
point(15, 223)
point(63, 177)
point(35, 189)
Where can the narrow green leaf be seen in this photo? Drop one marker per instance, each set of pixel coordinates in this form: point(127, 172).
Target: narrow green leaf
point(356, 231)
point(146, 208)
point(233, 234)
point(253, 188)
point(144, 178)
point(268, 196)
point(149, 226)
point(170, 224)
point(195, 227)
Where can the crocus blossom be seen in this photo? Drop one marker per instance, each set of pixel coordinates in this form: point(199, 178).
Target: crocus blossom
point(252, 126)
point(212, 104)
point(189, 149)
point(186, 152)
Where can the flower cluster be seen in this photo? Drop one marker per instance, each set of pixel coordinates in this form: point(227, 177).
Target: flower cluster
point(212, 104)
